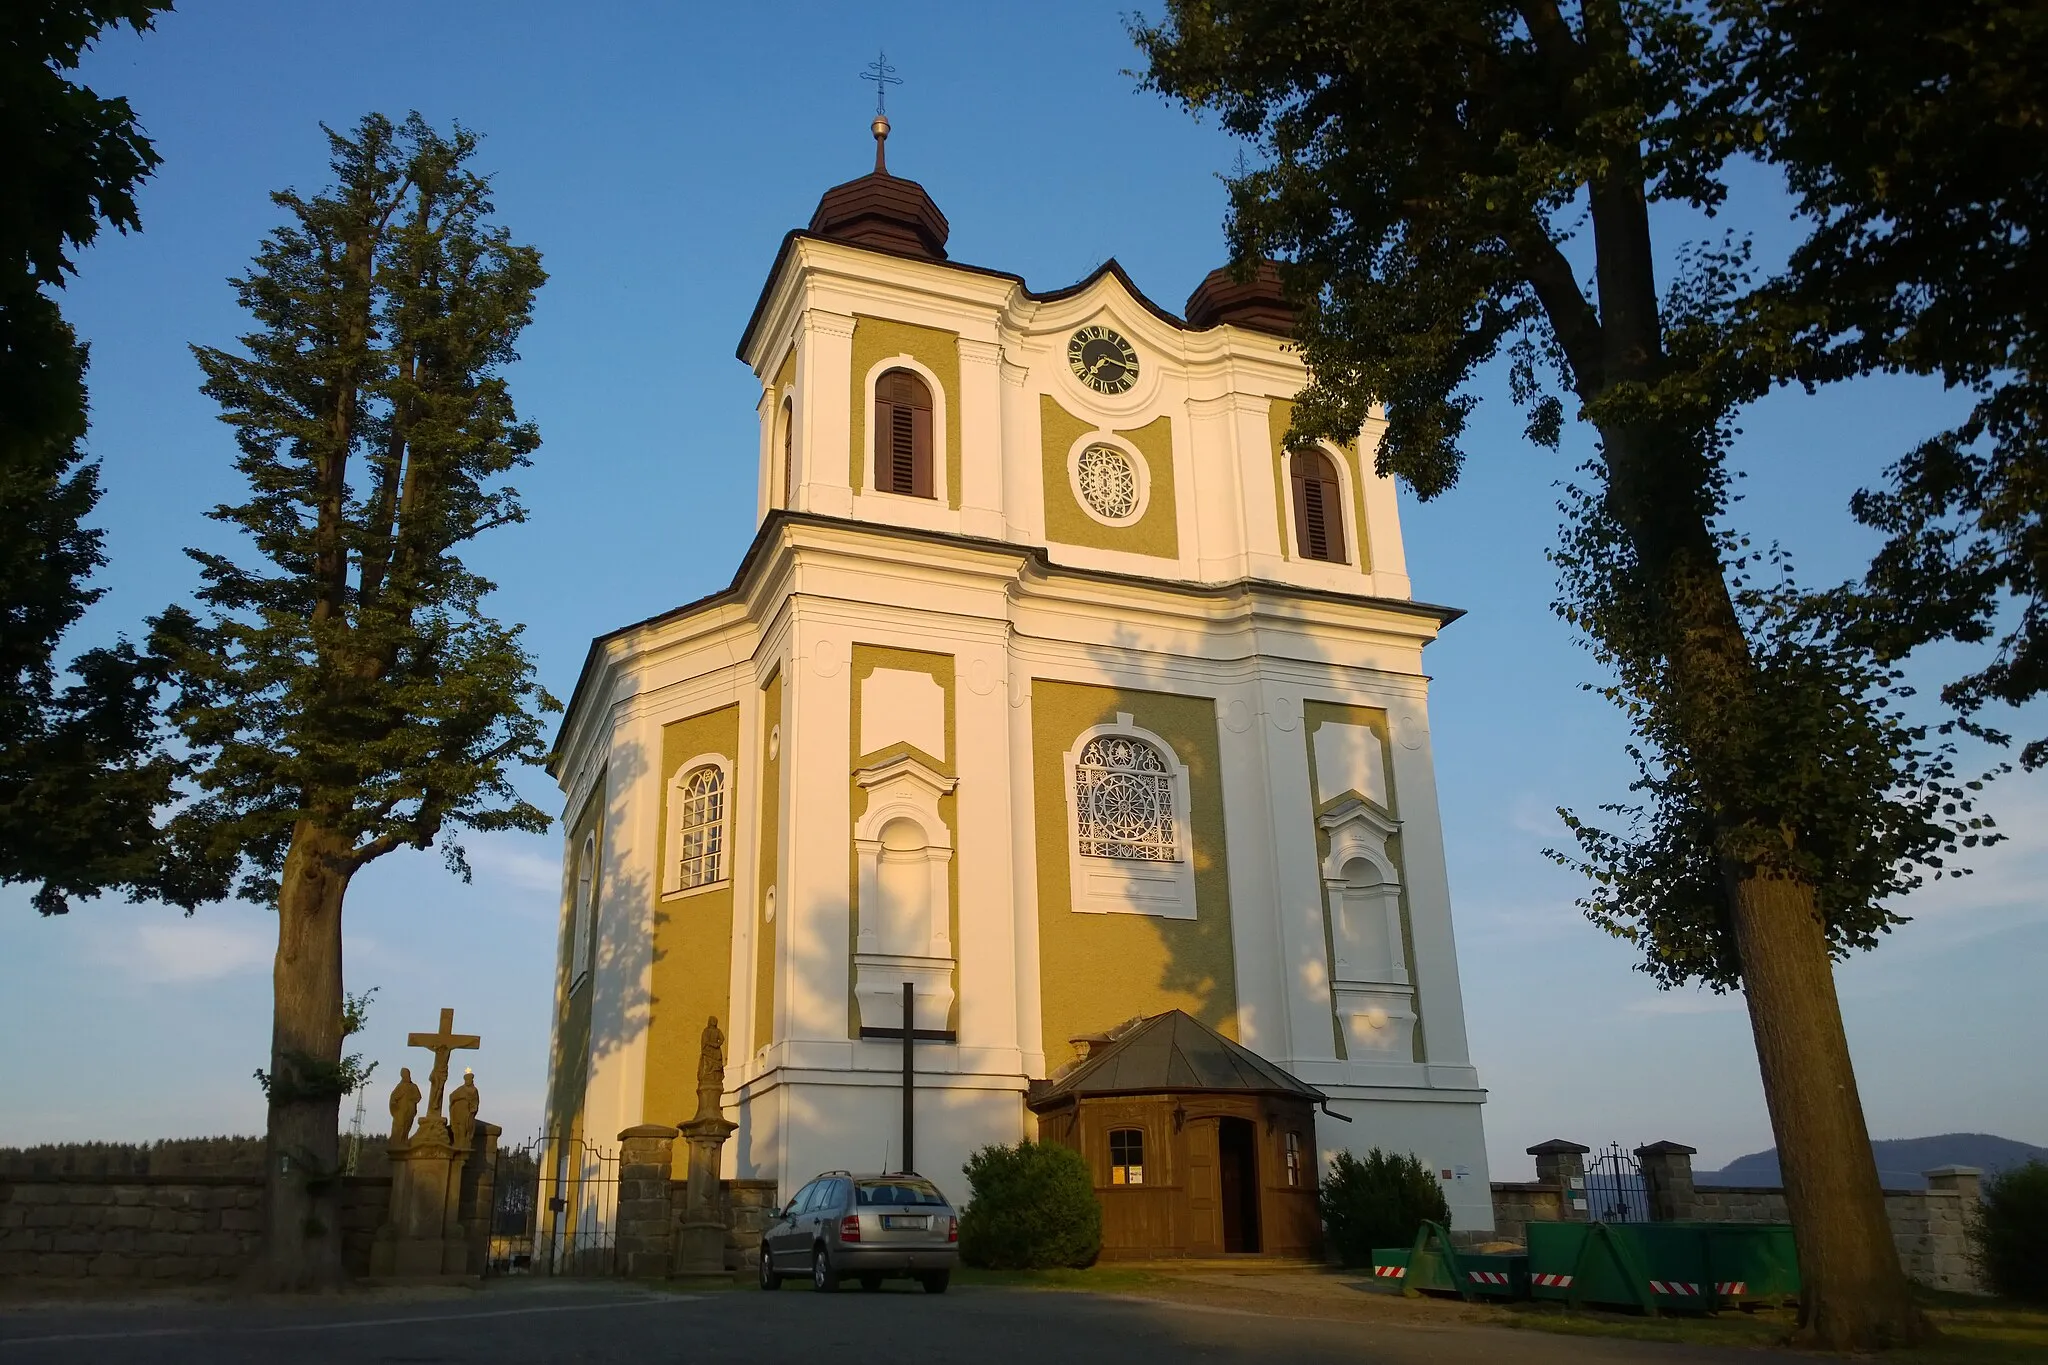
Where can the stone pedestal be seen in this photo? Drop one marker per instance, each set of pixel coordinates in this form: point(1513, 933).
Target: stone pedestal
point(424, 1236)
point(1967, 1181)
point(1667, 1179)
point(646, 1164)
point(1562, 1164)
point(700, 1241)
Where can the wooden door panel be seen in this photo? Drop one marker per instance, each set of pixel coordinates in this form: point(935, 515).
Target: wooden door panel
point(1205, 1197)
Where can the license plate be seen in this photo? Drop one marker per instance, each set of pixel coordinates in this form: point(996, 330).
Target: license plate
point(897, 1222)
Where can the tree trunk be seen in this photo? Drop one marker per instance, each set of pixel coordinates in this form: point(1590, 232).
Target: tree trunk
point(1853, 1293)
point(303, 1151)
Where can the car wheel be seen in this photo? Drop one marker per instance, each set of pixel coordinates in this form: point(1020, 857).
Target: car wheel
point(824, 1279)
point(871, 1282)
point(935, 1282)
point(769, 1279)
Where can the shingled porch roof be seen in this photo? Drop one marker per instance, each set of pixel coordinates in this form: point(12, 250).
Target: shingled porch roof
point(1172, 1052)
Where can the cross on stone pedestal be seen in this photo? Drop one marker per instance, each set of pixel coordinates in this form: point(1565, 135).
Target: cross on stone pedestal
point(441, 1043)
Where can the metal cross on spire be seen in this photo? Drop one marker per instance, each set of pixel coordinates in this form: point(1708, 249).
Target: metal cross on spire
point(883, 75)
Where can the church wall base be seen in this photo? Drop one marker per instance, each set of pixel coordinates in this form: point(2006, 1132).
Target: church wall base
point(1447, 1134)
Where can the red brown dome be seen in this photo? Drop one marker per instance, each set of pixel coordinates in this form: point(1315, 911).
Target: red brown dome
point(1257, 303)
point(883, 211)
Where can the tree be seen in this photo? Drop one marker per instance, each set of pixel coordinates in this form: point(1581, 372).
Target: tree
point(1916, 137)
point(80, 770)
point(1426, 167)
point(345, 694)
point(1381, 1201)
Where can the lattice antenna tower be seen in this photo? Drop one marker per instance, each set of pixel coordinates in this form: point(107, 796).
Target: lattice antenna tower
point(355, 1136)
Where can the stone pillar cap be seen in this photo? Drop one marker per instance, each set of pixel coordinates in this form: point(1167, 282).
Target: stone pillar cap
point(1558, 1147)
point(1954, 1170)
point(648, 1130)
point(1667, 1148)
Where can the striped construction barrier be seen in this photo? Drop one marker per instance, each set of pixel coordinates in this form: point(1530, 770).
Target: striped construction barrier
point(1552, 1281)
point(1677, 1289)
point(1390, 1272)
point(1731, 1289)
point(1494, 1277)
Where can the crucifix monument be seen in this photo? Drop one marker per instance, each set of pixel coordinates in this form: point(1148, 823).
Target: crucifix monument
point(424, 1237)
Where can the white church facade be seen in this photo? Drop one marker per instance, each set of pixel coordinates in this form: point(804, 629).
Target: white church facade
point(1053, 684)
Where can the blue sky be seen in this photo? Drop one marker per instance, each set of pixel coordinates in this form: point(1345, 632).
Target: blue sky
point(656, 153)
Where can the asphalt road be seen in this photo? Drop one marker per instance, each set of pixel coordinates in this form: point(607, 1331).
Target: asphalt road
point(554, 1324)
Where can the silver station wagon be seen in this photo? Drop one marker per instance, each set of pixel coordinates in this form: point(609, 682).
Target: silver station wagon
point(864, 1227)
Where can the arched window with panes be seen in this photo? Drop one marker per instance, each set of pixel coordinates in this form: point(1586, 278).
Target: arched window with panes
point(699, 853)
point(1318, 507)
point(903, 434)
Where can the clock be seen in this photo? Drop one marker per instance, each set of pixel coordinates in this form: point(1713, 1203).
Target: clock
point(1102, 360)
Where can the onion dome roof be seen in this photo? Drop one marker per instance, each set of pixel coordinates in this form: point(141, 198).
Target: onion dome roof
point(1257, 303)
point(883, 211)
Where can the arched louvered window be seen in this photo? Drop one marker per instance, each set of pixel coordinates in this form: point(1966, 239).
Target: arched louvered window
point(903, 434)
point(701, 833)
point(584, 919)
point(1318, 507)
point(788, 453)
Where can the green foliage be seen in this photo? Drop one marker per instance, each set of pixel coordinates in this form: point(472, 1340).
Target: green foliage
point(309, 1078)
point(80, 774)
point(1426, 174)
point(347, 675)
point(1912, 135)
point(2010, 1233)
point(1030, 1207)
point(1381, 1201)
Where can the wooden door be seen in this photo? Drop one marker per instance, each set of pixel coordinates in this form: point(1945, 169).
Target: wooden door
point(1205, 1194)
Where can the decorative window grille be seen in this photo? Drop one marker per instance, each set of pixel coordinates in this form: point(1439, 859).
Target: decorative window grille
point(1292, 1154)
point(903, 435)
point(1125, 799)
point(1126, 1156)
point(1318, 508)
point(1108, 482)
point(702, 823)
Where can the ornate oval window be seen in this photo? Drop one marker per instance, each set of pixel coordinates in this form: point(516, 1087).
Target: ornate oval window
point(1125, 798)
point(1108, 482)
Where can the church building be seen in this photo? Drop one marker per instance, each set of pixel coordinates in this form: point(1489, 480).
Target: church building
point(1057, 685)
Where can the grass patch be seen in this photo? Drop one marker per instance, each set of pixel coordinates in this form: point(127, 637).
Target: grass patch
point(1974, 1331)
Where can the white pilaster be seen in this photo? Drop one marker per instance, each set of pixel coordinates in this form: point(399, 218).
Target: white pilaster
point(1297, 883)
point(982, 810)
point(1439, 999)
point(1257, 946)
point(981, 439)
point(812, 911)
point(622, 969)
point(824, 361)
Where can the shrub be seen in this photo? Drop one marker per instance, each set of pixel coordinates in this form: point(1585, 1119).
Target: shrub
point(2011, 1234)
point(1030, 1207)
point(1378, 1202)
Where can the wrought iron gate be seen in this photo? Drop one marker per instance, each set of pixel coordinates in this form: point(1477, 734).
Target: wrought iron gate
point(1615, 1189)
point(554, 1208)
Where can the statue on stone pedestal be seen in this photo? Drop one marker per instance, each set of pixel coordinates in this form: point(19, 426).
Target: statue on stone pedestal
point(405, 1105)
point(710, 1071)
point(462, 1105)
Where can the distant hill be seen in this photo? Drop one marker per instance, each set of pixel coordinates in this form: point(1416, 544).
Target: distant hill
point(1899, 1160)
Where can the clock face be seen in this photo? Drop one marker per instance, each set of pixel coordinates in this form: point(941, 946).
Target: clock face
point(1102, 360)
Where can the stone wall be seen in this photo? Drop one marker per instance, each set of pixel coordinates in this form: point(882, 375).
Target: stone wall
point(172, 1228)
point(748, 1207)
point(1930, 1227)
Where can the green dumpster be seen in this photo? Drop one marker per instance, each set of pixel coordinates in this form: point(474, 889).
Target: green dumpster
point(1662, 1267)
point(1434, 1266)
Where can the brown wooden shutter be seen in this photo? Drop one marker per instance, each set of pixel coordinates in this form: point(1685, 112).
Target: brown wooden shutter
point(1318, 508)
point(903, 435)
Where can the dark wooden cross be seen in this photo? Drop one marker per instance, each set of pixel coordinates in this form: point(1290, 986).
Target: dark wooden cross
point(441, 1043)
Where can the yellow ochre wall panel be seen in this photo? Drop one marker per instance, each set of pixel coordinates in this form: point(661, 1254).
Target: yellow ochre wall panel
point(692, 931)
point(1155, 533)
point(1280, 417)
point(877, 339)
point(570, 1065)
point(1099, 970)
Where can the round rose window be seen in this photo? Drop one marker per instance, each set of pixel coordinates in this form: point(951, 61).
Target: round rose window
point(1108, 482)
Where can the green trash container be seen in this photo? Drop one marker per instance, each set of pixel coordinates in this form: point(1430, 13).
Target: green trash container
point(1390, 1263)
point(1434, 1266)
point(1662, 1267)
point(1752, 1262)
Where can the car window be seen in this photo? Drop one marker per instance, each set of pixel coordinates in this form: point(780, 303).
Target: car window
point(835, 1193)
point(801, 1199)
point(890, 1193)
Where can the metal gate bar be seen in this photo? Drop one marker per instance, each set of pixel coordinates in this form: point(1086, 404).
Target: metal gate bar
point(554, 1209)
